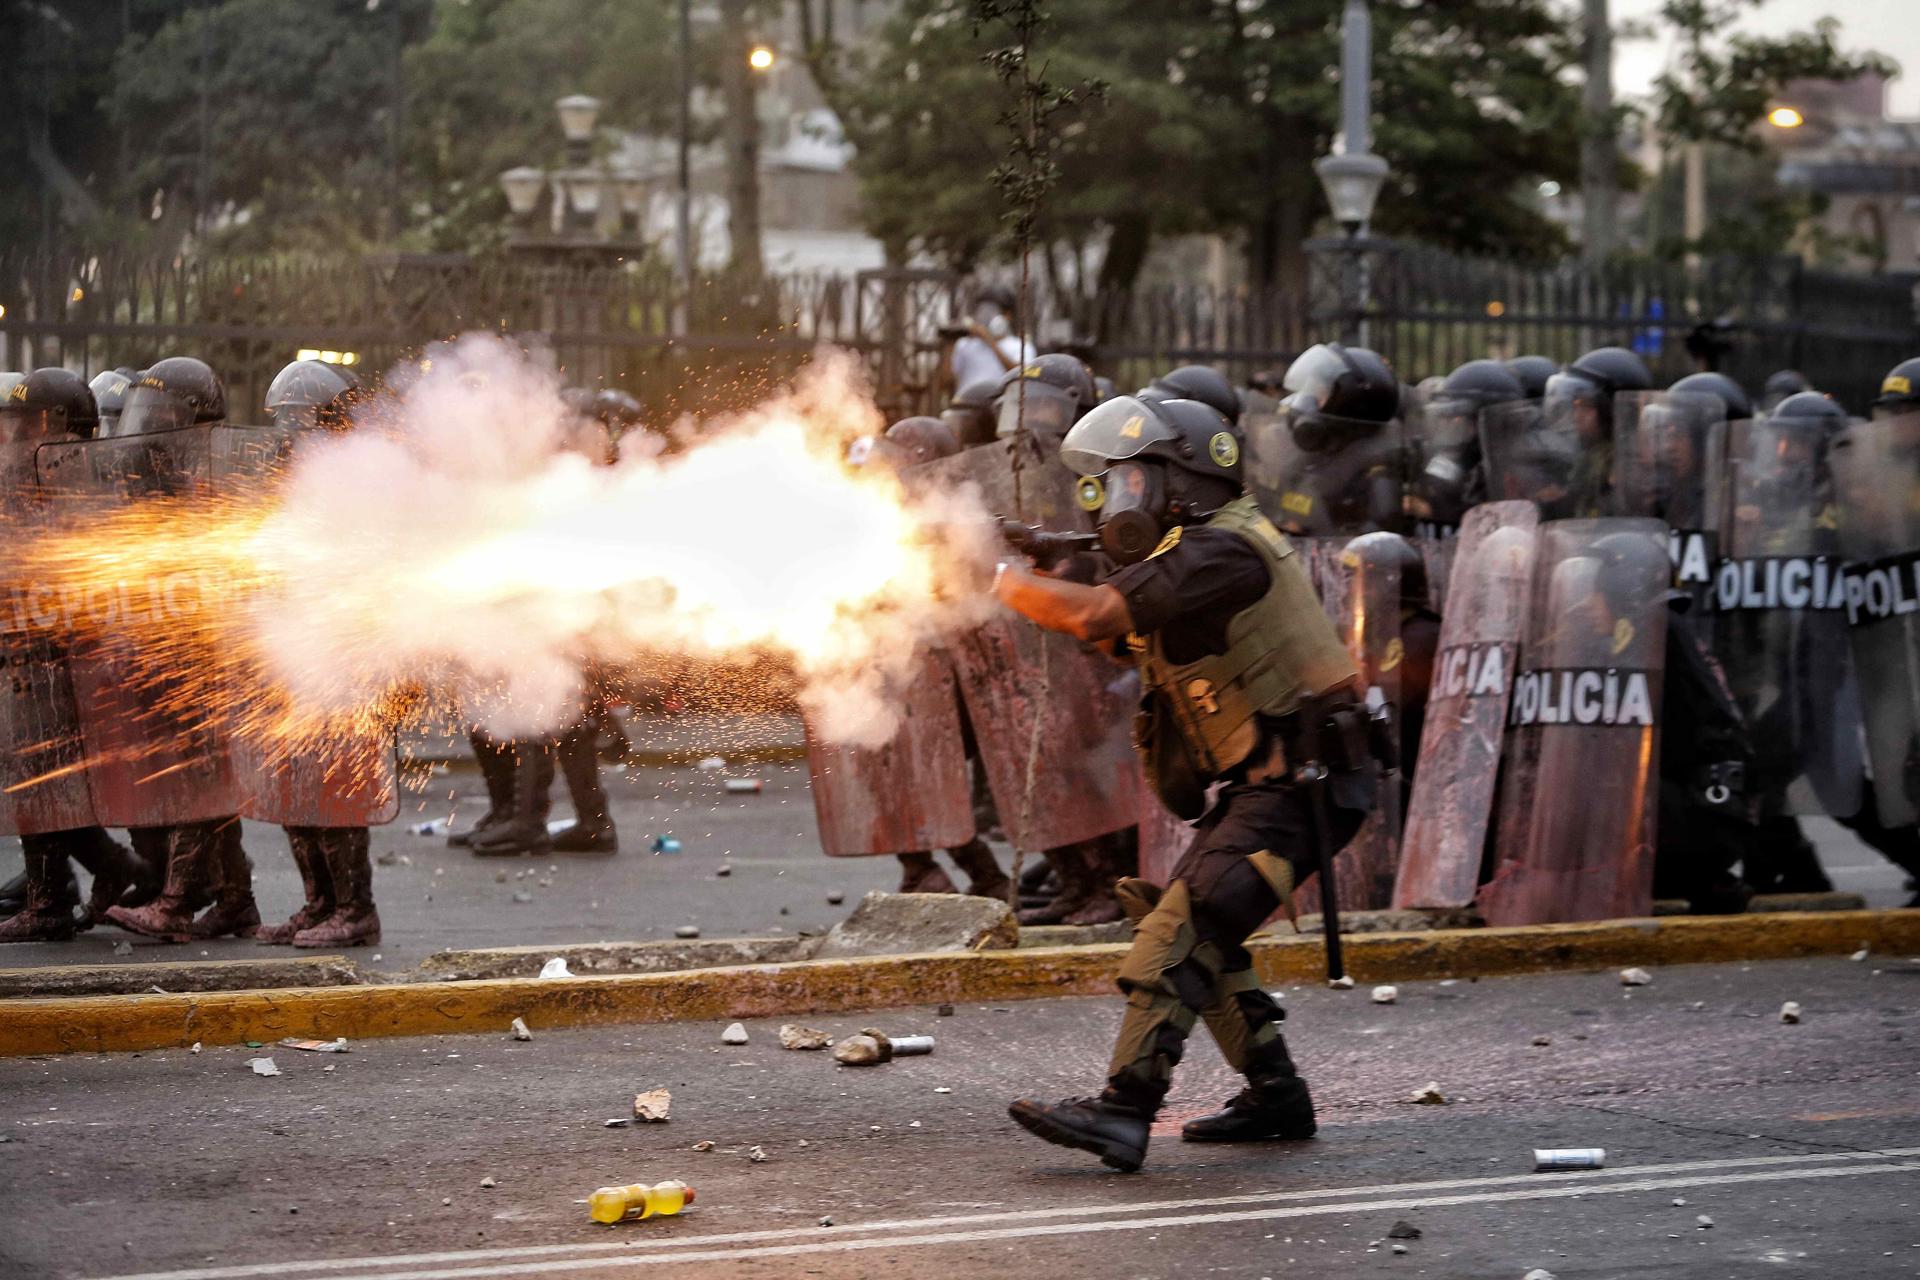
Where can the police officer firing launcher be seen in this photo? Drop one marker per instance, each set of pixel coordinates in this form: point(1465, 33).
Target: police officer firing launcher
point(1244, 683)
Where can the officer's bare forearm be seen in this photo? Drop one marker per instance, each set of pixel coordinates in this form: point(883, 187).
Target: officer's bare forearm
point(1085, 613)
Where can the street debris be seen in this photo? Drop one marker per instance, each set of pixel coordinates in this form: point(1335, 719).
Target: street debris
point(1342, 983)
point(911, 1046)
point(123, 948)
point(488, 1182)
point(1703, 1222)
point(1790, 1012)
point(1429, 1095)
point(745, 786)
point(940, 1088)
point(735, 1034)
point(864, 1050)
point(665, 844)
point(687, 931)
point(263, 1066)
point(794, 1036)
point(827, 1220)
point(1385, 995)
point(653, 1105)
point(195, 1048)
point(619, 1204)
point(703, 1145)
point(1541, 1042)
point(1635, 978)
point(944, 1011)
point(519, 1029)
point(710, 764)
point(1539, 1273)
point(724, 870)
point(757, 1155)
point(618, 1122)
point(835, 898)
point(522, 896)
point(1550, 1159)
point(315, 1046)
point(438, 827)
point(556, 968)
point(1399, 1248)
point(1861, 954)
point(1403, 1230)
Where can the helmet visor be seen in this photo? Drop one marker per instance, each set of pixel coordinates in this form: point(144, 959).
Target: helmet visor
point(1450, 421)
point(19, 423)
point(151, 409)
point(1047, 411)
point(1315, 373)
point(1121, 428)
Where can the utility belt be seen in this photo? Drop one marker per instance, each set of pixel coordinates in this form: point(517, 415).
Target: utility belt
point(1333, 729)
point(1721, 785)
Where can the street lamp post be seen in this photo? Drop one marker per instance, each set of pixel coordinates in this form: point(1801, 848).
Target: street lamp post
point(594, 210)
point(1352, 175)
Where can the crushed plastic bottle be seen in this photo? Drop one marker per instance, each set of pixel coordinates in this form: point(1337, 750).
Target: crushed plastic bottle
point(617, 1204)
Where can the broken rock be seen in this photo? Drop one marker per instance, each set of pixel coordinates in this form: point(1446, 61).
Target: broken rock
point(1790, 1012)
point(1635, 978)
point(519, 1030)
point(867, 1049)
point(1403, 1230)
point(735, 1034)
point(1386, 995)
point(652, 1106)
point(556, 968)
point(794, 1036)
point(263, 1066)
point(910, 923)
point(757, 1155)
point(1429, 1095)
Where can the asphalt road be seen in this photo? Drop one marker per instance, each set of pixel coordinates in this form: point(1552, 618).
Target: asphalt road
point(432, 897)
point(1799, 1144)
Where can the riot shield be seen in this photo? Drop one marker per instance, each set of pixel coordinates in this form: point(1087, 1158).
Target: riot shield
point(1480, 634)
point(43, 758)
point(156, 743)
point(1670, 463)
point(1444, 474)
point(907, 794)
point(1876, 481)
point(1351, 482)
point(1779, 621)
point(336, 773)
point(1051, 718)
point(1550, 458)
point(1579, 793)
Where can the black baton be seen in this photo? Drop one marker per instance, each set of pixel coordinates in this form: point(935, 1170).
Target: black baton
point(1313, 776)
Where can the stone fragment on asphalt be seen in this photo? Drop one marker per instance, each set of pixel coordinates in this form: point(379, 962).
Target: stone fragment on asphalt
point(1635, 978)
point(618, 1122)
point(1399, 1248)
point(734, 1034)
point(1403, 1230)
point(1790, 1012)
point(891, 924)
point(1703, 1222)
point(1539, 1273)
point(556, 968)
point(123, 948)
point(519, 1030)
point(195, 1048)
point(703, 1145)
point(835, 898)
point(687, 931)
point(827, 1221)
point(1541, 1042)
point(794, 1036)
point(864, 1050)
point(1385, 995)
point(263, 1066)
point(488, 1182)
point(945, 1011)
point(653, 1105)
point(1429, 1095)
point(724, 870)
point(523, 897)
point(1861, 954)
point(757, 1155)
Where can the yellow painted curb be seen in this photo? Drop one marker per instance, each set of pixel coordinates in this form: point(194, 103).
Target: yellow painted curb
point(117, 1023)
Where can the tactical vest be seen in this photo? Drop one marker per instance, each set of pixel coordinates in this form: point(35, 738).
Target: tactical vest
point(1281, 650)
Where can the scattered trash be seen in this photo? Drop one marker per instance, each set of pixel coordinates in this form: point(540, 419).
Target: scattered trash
point(618, 1122)
point(488, 1182)
point(945, 1011)
point(1541, 1042)
point(1385, 995)
point(316, 1046)
point(1861, 954)
point(745, 786)
point(757, 1155)
point(910, 1046)
point(1635, 978)
point(1403, 1230)
point(123, 948)
point(665, 844)
point(519, 1030)
point(652, 1106)
point(703, 1145)
point(913, 1124)
point(499, 877)
point(1679, 1202)
point(523, 896)
point(711, 763)
point(263, 1066)
point(1399, 1248)
point(327, 1070)
point(618, 1204)
point(1790, 1012)
point(1429, 1095)
point(835, 898)
point(793, 1036)
point(1703, 1222)
point(941, 1089)
point(687, 931)
point(1342, 983)
point(1539, 1273)
point(438, 827)
point(446, 1200)
point(1549, 1159)
point(827, 1221)
point(735, 1034)
point(195, 1048)
point(724, 870)
point(556, 968)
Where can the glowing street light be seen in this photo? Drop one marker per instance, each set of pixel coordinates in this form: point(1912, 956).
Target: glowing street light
point(760, 58)
point(1785, 118)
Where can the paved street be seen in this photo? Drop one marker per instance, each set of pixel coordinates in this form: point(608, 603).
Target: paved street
point(371, 1163)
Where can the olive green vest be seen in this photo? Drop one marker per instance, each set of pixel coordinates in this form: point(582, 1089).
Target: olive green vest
point(1281, 650)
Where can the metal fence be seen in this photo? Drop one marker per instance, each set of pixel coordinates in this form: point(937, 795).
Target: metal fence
point(722, 342)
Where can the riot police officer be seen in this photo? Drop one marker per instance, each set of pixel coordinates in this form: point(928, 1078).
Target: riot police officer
point(110, 389)
point(1195, 382)
point(1047, 394)
point(1448, 474)
point(1244, 684)
point(1532, 373)
point(1579, 403)
point(1781, 384)
point(1335, 463)
point(313, 395)
point(971, 416)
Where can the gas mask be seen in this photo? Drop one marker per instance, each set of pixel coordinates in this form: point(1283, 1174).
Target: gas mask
point(1131, 499)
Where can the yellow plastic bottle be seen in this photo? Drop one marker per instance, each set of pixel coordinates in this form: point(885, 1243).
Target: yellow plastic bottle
point(617, 1204)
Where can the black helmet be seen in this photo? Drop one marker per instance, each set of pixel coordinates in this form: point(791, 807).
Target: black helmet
point(1483, 382)
point(1612, 369)
point(1195, 382)
point(923, 439)
point(1899, 390)
point(1384, 550)
point(1532, 373)
point(313, 393)
point(1103, 388)
point(1449, 412)
point(1270, 382)
point(1739, 404)
point(178, 391)
point(64, 395)
point(971, 413)
point(110, 387)
point(1780, 384)
point(1058, 389)
point(1813, 410)
point(1338, 393)
point(1149, 465)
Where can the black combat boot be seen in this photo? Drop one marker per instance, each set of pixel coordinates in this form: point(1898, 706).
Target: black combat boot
point(120, 878)
point(1270, 1108)
point(1079, 885)
point(919, 873)
point(496, 770)
point(985, 879)
point(592, 830)
point(46, 915)
point(1109, 1126)
point(524, 829)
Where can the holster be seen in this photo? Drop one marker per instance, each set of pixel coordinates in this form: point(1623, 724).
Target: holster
point(1170, 767)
